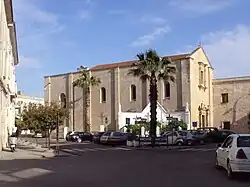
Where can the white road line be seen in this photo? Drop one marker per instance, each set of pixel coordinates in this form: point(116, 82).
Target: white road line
point(83, 150)
point(198, 149)
point(123, 148)
point(211, 149)
point(190, 149)
point(69, 151)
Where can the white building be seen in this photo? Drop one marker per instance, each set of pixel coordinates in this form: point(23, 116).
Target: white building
point(24, 100)
point(8, 60)
point(129, 118)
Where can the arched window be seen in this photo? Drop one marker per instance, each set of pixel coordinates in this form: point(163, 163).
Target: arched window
point(166, 90)
point(103, 95)
point(63, 100)
point(132, 92)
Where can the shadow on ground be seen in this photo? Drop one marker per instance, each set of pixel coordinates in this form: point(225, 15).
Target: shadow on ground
point(123, 169)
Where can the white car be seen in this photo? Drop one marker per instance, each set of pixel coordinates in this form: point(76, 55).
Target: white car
point(172, 138)
point(234, 154)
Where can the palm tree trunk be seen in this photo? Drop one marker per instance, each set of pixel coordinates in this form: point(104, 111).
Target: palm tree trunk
point(87, 111)
point(153, 106)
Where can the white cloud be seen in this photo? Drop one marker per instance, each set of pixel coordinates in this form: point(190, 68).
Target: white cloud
point(147, 39)
point(201, 6)
point(27, 11)
point(84, 14)
point(35, 26)
point(29, 63)
point(153, 20)
point(229, 51)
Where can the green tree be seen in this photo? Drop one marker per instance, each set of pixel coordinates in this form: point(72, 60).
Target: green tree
point(37, 117)
point(85, 81)
point(150, 66)
point(175, 124)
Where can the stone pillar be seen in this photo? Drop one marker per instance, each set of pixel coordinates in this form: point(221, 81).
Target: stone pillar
point(158, 131)
point(142, 131)
point(187, 116)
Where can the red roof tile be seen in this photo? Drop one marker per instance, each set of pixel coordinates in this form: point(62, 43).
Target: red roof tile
point(130, 63)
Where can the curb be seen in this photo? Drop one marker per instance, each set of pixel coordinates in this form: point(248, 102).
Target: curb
point(160, 148)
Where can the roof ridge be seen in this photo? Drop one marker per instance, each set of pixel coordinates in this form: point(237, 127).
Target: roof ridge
point(130, 62)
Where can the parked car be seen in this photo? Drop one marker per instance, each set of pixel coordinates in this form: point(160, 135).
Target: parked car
point(114, 138)
point(79, 136)
point(171, 138)
point(207, 129)
point(234, 154)
point(217, 136)
point(187, 136)
point(97, 137)
point(224, 133)
point(69, 136)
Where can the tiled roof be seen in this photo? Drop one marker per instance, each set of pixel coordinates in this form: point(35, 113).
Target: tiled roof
point(130, 63)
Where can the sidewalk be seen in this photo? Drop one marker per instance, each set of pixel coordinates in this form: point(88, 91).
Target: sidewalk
point(28, 150)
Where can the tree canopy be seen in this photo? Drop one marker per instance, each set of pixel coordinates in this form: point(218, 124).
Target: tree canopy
point(39, 117)
point(150, 66)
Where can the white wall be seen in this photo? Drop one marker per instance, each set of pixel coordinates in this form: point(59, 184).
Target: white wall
point(161, 116)
point(22, 101)
point(7, 80)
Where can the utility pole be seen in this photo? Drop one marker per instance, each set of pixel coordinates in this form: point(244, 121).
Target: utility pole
point(57, 133)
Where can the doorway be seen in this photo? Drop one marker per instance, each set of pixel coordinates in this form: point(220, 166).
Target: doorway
point(203, 121)
point(226, 125)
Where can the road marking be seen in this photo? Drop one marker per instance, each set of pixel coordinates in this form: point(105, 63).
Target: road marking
point(123, 148)
point(70, 151)
point(198, 149)
point(83, 150)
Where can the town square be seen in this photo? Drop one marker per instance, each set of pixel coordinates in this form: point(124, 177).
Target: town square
point(143, 93)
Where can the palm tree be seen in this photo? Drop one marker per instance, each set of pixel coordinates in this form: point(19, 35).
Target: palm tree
point(152, 67)
point(85, 81)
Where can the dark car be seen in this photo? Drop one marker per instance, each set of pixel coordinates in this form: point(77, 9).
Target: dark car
point(69, 136)
point(224, 133)
point(198, 136)
point(214, 135)
point(81, 136)
point(97, 137)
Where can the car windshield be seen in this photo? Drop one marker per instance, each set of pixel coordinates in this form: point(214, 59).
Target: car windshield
point(118, 134)
point(183, 133)
point(199, 132)
point(107, 134)
point(243, 141)
point(99, 133)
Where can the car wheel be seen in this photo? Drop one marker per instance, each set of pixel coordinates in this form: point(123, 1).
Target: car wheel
point(189, 142)
point(79, 140)
point(230, 174)
point(179, 143)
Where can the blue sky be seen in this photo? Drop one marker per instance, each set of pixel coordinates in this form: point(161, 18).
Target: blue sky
point(57, 36)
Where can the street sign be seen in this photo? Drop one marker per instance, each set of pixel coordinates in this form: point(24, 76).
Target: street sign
point(194, 123)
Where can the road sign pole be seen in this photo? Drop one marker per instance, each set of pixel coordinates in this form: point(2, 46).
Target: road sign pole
point(57, 134)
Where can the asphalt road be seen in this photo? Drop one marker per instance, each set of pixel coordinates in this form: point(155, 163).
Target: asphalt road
point(120, 167)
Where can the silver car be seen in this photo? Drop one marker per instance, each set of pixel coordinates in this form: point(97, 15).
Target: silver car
point(113, 138)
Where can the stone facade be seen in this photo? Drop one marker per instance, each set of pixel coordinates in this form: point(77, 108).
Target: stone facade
point(193, 86)
point(8, 61)
point(232, 103)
